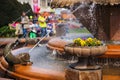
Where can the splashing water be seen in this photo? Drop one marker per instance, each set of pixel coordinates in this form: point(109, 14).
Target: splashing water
point(54, 53)
point(93, 19)
point(86, 15)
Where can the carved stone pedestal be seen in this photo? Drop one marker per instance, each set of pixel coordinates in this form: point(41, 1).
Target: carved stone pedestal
point(83, 74)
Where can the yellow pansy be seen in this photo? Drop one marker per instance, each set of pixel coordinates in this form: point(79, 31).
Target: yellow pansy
point(83, 43)
point(87, 42)
point(90, 39)
point(98, 42)
point(79, 39)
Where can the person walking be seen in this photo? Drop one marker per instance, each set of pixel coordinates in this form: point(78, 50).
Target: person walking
point(24, 23)
point(43, 25)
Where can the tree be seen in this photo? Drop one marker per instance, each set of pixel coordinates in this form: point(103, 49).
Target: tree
point(27, 8)
point(11, 10)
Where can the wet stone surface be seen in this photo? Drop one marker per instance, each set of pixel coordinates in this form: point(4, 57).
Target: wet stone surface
point(43, 58)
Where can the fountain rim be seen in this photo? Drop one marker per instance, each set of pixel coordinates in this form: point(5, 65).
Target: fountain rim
point(28, 77)
point(40, 73)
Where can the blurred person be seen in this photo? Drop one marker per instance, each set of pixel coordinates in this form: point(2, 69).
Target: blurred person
point(24, 23)
point(32, 30)
point(19, 31)
point(35, 19)
point(42, 24)
point(36, 24)
point(50, 29)
point(52, 20)
point(33, 34)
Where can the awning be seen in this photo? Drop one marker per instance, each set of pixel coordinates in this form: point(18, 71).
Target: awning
point(62, 3)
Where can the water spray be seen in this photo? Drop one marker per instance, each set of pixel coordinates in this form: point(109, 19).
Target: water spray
point(54, 52)
point(39, 42)
point(16, 43)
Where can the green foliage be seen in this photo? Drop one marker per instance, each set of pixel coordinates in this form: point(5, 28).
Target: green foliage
point(79, 30)
point(5, 31)
point(27, 7)
point(11, 10)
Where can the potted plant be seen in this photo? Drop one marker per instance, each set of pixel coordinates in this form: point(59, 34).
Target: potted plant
point(85, 50)
point(86, 47)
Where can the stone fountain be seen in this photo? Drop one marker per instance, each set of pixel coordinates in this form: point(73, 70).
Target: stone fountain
point(85, 68)
point(85, 65)
point(46, 68)
point(98, 19)
point(53, 69)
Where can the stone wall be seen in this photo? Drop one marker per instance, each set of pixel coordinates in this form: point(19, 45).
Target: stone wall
point(101, 20)
point(115, 22)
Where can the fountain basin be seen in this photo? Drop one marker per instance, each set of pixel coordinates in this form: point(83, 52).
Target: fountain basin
point(4, 65)
point(113, 50)
point(32, 72)
point(42, 73)
point(56, 44)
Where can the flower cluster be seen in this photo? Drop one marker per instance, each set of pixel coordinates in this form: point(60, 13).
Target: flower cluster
point(87, 42)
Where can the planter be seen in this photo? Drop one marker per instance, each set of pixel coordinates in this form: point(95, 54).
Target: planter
point(84, 69)
point(69, 50)
point(77, 51)
point(86, 51)
point(95, 51)
point(102, 50)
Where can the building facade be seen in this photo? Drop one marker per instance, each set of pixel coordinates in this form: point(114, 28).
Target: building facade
point(42, 4)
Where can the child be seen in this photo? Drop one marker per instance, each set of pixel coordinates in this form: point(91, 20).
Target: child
point(33, 34)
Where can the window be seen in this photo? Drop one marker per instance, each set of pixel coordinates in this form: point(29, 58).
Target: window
point(43, 3)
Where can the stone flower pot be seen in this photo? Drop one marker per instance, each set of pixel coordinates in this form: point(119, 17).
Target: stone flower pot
point(102, 50)
point(69, 50)
point(83, 69)
point(94, 50)
point(77, 51)
point(86, 51)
